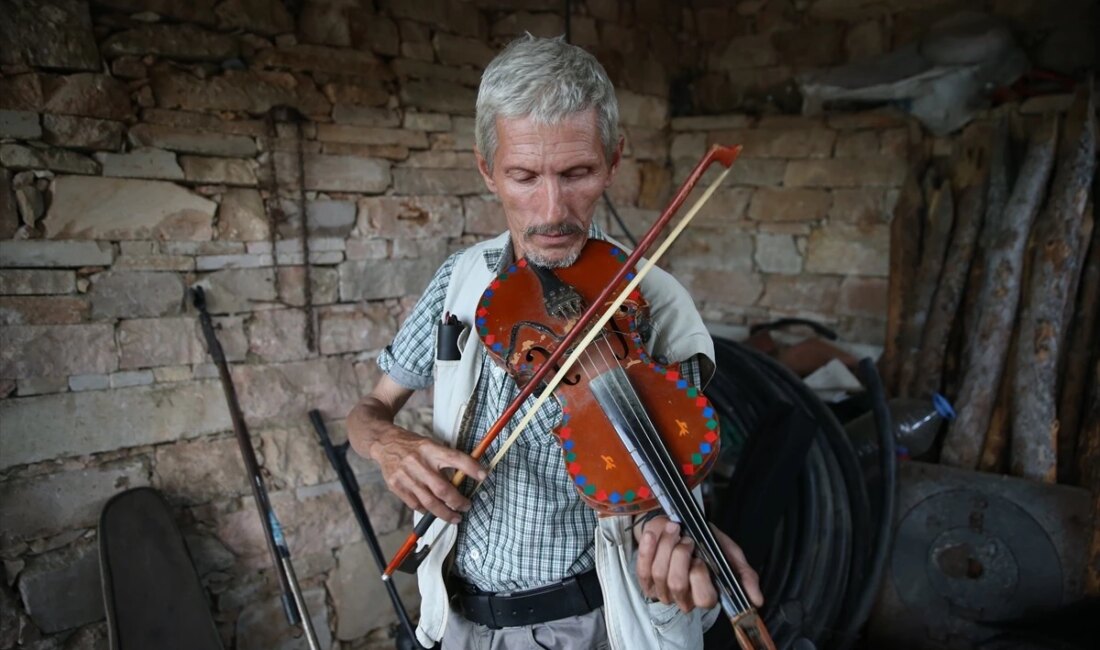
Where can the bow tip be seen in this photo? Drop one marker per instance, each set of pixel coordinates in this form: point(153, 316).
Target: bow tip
point(725, 155)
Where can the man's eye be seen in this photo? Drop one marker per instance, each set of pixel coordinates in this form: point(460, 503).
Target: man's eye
point(580, 172)
point(523, 178)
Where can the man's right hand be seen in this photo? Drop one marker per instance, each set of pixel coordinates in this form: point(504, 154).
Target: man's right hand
point(414, 467)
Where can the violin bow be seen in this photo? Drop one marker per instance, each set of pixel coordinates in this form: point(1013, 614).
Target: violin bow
point(717, 153)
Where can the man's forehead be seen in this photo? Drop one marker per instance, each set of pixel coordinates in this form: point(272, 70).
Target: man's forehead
point(578, 119)
point(574, 137)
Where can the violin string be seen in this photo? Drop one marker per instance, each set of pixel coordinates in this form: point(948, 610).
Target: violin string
point(681, 497)
point(694, 519)
point(690, 514)
point(691, 518)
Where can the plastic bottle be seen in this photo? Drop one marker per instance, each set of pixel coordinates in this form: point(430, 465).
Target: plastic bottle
point(916, 423)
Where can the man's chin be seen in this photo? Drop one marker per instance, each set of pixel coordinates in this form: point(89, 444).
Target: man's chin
point(555, 259)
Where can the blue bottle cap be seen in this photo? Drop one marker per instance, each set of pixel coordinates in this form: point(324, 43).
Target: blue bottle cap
point(943, 407)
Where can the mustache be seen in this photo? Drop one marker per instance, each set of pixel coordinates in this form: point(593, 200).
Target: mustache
point(551, 229)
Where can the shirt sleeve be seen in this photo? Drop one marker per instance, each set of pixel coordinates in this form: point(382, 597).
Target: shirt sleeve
point(410, 358)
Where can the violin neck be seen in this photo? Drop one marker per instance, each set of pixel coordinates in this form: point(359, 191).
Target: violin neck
point(639, 436)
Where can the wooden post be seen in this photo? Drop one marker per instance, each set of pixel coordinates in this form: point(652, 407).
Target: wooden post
point(941, 218)
point(1088, 464)
point(1054, 272)
point(985, 350)
point(904, 252)
point(970, 178)
point(1000, 184)
point(1081, 353)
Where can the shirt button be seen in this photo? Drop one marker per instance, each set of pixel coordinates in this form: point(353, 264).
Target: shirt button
point(475, 554)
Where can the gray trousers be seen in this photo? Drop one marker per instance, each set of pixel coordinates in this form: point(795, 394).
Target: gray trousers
point(572, 633)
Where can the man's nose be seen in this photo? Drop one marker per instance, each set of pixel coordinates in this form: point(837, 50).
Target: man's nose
point(555, 210)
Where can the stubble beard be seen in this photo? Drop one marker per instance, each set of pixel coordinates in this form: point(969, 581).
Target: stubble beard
point(538, 259)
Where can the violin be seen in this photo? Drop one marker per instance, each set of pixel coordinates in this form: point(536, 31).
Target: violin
point(634, 434)
point(615, 389)
point(648, 437)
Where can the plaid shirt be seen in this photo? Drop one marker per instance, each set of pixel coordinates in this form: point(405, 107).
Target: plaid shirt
point(527, 526)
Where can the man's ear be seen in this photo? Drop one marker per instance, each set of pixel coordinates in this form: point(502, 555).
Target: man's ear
point(486, 175)
point(616, 158)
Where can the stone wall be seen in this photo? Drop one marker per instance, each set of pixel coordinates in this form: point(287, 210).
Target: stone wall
point(802, 226)
point(138, 159)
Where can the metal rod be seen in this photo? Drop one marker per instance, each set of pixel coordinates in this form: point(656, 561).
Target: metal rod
point(273, 534)
point(338, 458)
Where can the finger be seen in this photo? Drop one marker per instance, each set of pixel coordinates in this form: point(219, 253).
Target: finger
point(647, 549)
point(407, 497)
point(703, 592)
point(445, 457)
point(749, 578)
point(679, 574)
point(443, 490)
point(435, 505)
point(666, 542)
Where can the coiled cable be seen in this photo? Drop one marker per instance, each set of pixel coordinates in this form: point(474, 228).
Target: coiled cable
point(827, 553)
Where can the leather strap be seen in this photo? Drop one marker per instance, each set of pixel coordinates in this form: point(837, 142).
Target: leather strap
point(574, 596)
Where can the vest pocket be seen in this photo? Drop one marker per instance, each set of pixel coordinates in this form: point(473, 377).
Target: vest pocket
point(674, 628)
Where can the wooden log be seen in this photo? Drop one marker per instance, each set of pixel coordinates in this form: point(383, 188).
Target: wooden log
point(1000, 184)
point(1043, 323)
point(987, 345)
point(1088, 467)
point(995, 448)
point(941, 218)
point(904, 255)
point(996, 437)
point(970, 177)
point(1080, 354)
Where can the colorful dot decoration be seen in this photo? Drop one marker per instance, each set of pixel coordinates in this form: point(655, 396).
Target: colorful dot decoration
point(622, 502)
point(625, 501)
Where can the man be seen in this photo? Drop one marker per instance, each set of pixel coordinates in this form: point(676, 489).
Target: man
point(528, 564)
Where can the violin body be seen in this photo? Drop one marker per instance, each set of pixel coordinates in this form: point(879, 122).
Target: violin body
point(521, 320)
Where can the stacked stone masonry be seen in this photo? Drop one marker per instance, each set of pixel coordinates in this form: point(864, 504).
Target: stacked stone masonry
point(145, 149)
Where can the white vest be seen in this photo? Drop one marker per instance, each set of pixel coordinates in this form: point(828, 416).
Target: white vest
point(632, 622)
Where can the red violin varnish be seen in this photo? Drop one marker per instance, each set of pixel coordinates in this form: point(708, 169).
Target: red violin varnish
point(517, 324)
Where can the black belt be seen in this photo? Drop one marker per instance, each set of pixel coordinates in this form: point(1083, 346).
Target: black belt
point(574, 596)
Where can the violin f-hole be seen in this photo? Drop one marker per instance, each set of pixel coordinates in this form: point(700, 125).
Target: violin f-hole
point(530, 357)
point(624, 351)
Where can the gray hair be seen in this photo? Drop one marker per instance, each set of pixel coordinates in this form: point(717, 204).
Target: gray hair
point(547, 79)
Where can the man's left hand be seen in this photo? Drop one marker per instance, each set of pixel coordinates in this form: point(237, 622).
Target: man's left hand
point(669, 571)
